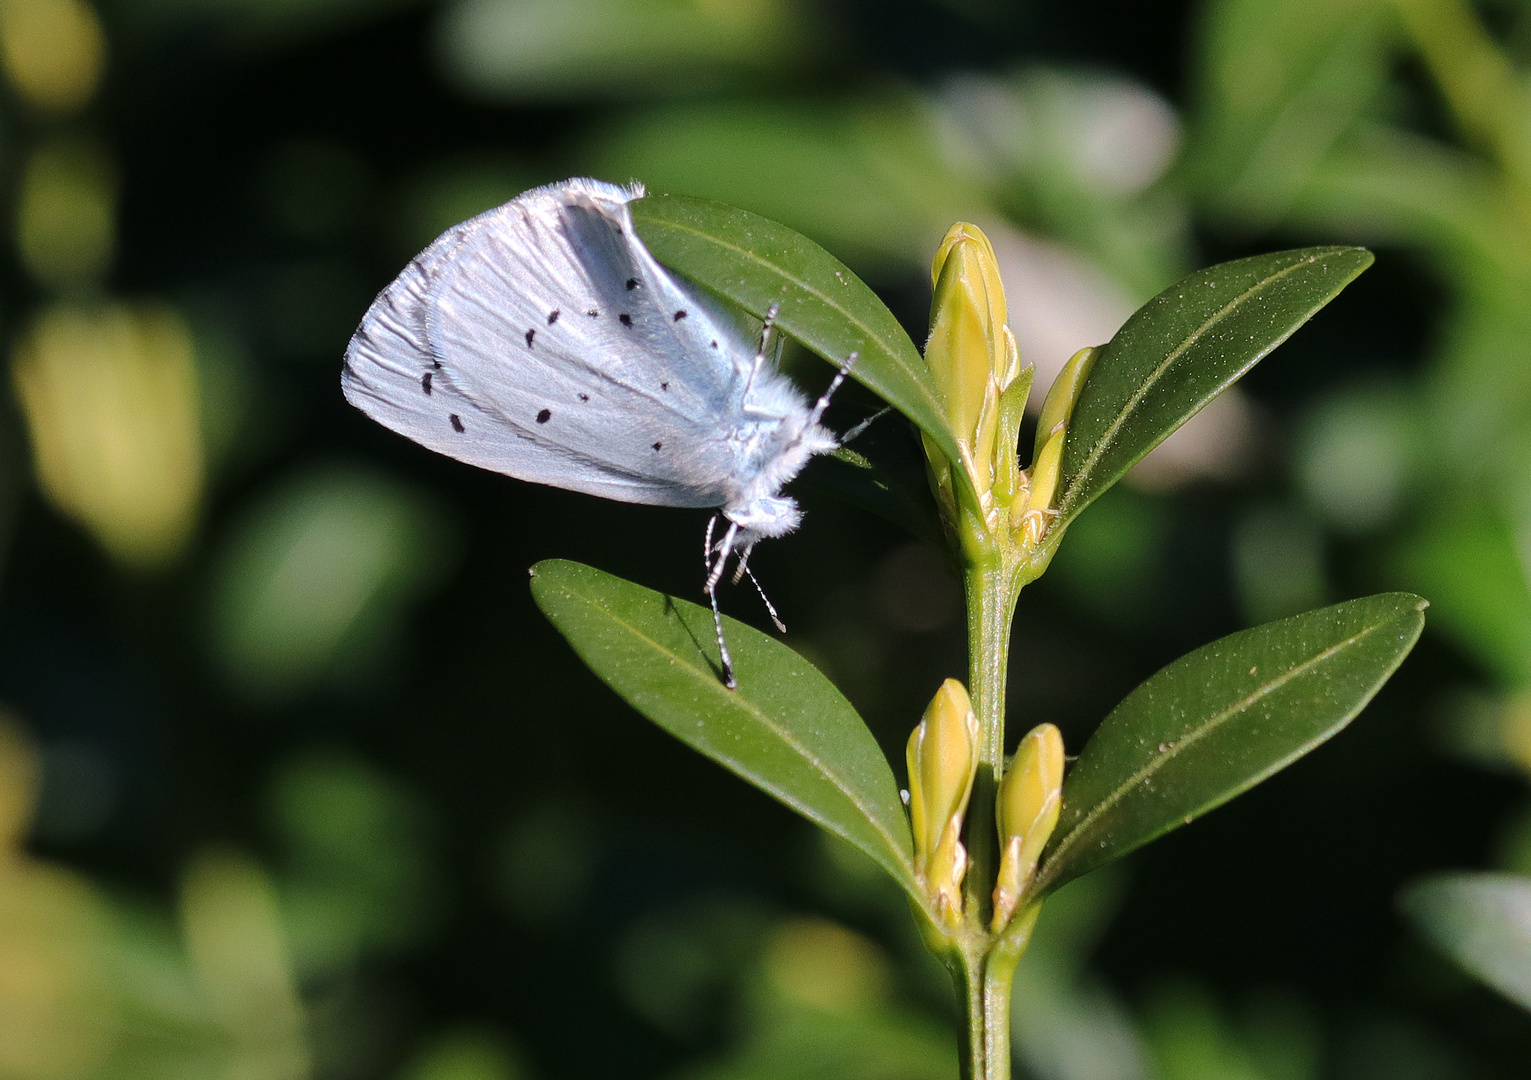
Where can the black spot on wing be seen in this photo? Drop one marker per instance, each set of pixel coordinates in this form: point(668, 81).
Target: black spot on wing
point(553, 316)
point(679, 315)
point(456, 423)
point(529, 335)
point(632, 283)
point(584, 397)
point(658, 445)
point(592, 313)
point(625, 319)
point(436, 363)
point(425, 382)
point(544, 416)
point(714, 344)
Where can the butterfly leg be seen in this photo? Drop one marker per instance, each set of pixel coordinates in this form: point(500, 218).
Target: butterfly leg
point(726, 661)
point(712, 523)
point(714, 574)
point(723, 549)
point(781, 627)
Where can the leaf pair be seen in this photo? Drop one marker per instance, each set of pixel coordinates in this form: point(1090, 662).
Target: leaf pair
point(1201, 731)
point(1206, 728)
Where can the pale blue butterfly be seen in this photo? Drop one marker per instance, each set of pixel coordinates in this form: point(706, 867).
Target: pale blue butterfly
point(542, 340)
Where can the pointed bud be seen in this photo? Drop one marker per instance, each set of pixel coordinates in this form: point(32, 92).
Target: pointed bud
point(970, 352)
point(943, 759)
point(1030, 799)
point(1008, 479)
point(1030, 514)
point(1063, 395)
point(1038, 504)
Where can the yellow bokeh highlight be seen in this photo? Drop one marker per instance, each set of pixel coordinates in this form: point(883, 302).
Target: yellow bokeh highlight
point(66, 212)
point(822, 965)
point(91, 991)
point(53, 52)
point(56, 1016)
point(1515, 731)
point(20, 777)
point(238, 951)
point(111, 400)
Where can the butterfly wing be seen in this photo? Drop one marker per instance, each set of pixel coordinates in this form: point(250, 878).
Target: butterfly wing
point(542, 340)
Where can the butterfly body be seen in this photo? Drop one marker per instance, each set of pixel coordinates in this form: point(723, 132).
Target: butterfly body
point(542, 340)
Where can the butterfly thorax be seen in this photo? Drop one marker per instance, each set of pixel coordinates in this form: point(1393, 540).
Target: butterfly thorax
point(773, 450)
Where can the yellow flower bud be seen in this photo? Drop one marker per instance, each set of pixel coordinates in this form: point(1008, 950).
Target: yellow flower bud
point(943, 759)
point(1038, 505)
point(1029, 515)
point(971, 352)
point(1008, 478)
point(1063, 395)
point(1030, 799)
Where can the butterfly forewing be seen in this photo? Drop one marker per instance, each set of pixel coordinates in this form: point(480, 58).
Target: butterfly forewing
point(542, 340)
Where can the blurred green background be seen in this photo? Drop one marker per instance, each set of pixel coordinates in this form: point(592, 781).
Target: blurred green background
point(295, 782)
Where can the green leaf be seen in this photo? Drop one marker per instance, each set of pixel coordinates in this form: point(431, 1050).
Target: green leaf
point(756, 262)
point(1183, 348)
point(786, 730)
point(1219, 720)
point(1483, 922)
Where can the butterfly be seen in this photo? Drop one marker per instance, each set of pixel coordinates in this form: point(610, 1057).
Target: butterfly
point(542, 340)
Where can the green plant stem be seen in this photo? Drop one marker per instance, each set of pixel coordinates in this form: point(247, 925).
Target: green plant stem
point(990, 605)
point(975, 1034)
point(985, 980)
point(985, 973)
